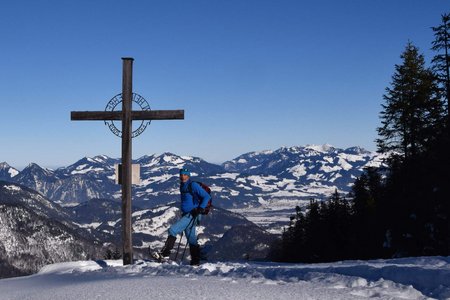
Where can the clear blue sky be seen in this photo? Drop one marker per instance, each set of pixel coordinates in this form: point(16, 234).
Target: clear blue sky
point(250, 75)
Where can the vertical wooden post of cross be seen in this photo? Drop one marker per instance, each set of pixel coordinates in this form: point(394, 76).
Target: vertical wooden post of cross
point(127, 90)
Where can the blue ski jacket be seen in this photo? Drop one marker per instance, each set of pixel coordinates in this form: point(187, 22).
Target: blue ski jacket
point(198, 198)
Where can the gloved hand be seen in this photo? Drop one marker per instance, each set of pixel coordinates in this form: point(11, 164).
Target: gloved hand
point(197, 211)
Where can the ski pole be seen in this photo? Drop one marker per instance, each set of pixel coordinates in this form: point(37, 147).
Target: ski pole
point(187, 237)
point(184, 251)
point(179, 243)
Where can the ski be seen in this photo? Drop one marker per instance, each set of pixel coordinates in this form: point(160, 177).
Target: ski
point(156, 256)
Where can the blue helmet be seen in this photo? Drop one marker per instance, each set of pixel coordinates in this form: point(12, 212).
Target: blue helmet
point(185, 171)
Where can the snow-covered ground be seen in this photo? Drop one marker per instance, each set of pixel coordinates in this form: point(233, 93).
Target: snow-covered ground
point(407, 278)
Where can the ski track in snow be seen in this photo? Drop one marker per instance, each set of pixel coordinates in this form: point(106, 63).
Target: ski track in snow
point(408, 278)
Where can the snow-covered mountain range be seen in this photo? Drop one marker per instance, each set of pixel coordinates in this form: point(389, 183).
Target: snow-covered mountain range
point(251, 180)
point(34, 231)
point(263, 186)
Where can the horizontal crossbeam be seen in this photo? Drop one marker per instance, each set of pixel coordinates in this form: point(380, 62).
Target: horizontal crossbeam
point(135, 115)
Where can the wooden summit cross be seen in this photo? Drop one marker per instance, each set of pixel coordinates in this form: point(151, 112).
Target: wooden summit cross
point(127, 115)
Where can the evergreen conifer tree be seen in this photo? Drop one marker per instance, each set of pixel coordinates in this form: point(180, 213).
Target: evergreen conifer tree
point(412, 108)
point(441, 61)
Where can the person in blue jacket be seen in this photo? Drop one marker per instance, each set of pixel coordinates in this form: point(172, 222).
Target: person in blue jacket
point(193, 202)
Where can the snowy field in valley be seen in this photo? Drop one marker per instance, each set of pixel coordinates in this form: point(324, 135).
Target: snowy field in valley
point(272, 215)
point(406, 278)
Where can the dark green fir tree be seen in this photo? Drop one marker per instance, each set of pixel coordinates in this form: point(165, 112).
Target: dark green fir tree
point(412, 107)
point(441, 61)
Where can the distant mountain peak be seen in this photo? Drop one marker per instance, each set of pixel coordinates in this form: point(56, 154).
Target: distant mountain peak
point(100, 158)
point(357, 150)
point(321, 148)
point(33, 167)
point(4, 165)
point(7, 172)
point(170, 157)
point(167, 154)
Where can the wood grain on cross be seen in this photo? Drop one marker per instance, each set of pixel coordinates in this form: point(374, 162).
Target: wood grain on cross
point(127, 115)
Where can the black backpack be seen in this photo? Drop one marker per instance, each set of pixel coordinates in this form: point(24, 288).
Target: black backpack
point(207, 189)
